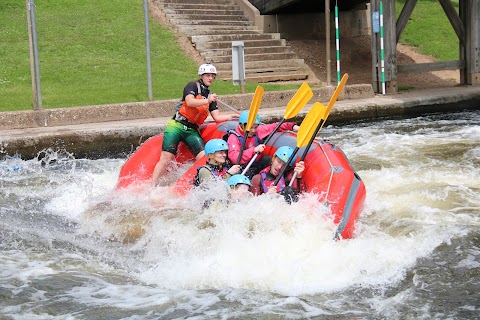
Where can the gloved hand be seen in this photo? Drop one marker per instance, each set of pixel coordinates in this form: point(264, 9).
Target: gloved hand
point(290, 194)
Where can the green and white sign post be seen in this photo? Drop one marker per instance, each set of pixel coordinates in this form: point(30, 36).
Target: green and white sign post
point(382, 50)
point(337, 42)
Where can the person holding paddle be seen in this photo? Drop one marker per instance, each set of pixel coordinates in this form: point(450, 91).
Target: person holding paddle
point(296, 103)
point(264, 181)
point(242, 150)
point(277, 177)
point(197, 102)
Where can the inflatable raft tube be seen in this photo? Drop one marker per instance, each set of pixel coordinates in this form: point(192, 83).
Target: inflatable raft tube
point(328, 172)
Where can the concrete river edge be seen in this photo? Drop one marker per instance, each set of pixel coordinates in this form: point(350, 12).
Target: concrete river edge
point(117, 130)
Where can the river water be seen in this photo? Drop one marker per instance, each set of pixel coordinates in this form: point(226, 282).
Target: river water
point(67, 249)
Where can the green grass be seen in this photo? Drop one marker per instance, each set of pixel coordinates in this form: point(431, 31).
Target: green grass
point(430, 31)
point(92, 52)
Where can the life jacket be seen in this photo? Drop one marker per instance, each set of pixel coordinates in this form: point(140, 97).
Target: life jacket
point(195, 115)
point(240, 137)
point(267, 183)
point(213, 170)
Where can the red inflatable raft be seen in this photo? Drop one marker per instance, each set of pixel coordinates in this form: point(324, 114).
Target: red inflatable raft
point(327, 172)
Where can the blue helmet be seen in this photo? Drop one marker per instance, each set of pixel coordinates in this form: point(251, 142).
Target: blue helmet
point(244, 118)
point(238, 179)
point(284, 153)
point(215, 145)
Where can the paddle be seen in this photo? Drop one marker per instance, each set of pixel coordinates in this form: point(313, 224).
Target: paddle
point(319, 126)
point(298, 101)
point(228, 106)
point(334, 97)
point(305, 132)
point(252, 114)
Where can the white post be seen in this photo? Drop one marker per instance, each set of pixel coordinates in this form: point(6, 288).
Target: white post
point(382, 50)
point(337, 42)
point(36, 60)
point(238, 64)
point(147, 49)
point(327, 41)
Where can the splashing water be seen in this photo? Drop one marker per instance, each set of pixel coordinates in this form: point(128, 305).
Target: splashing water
point(72, 247)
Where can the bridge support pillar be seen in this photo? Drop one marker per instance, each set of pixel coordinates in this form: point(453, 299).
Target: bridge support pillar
point(469, 11)
point(390, 48)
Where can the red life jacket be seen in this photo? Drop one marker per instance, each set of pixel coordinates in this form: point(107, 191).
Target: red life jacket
point(267, 183)
point(195, 115)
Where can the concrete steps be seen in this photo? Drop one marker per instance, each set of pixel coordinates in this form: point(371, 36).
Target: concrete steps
point(212, 30)
point(206, 23)
point(247, 44)
point(265, 70)
point(234, 37)
point(212, 25)
point(202, 17)
point(206, 2)
point(170, 7)
point(248, 51)
point(252, 57)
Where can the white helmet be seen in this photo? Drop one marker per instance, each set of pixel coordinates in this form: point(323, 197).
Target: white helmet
point(207, 68)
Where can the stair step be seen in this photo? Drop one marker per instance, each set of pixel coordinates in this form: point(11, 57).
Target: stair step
point(263, 70)
point(195, 11)
point(260, 64)
point(247, 44)
point(210, 32)
point(210, 2)
point(203, 23)
point(247, 51)
point(236, 37)
point(226, 18)
point(252, 57)
point(214, 29)
point(273, 77)
point(201, 6)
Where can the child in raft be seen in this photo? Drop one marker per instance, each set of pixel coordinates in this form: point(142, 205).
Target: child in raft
point(217, 166)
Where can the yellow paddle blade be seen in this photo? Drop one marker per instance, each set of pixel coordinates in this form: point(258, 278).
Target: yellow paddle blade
point(334, 98)
point(298, 101)
point(335, 95)
point(254, 106)
point(310, 123)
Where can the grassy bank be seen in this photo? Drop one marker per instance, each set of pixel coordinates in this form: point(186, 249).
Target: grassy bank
point(94, 53)
point(429, 30)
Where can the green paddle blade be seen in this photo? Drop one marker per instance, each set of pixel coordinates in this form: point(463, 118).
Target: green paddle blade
point(309, 124)
point(298, 101)
point(254, 106)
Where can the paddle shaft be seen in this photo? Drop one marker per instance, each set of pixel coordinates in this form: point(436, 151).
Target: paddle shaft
point(332, 101)
point(307, 148)
point(265, 142)
point(252, 115)
point(226, 105)
point(298, 101)
point(242, 147)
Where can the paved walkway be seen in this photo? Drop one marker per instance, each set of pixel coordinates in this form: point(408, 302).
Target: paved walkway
point(123, 136)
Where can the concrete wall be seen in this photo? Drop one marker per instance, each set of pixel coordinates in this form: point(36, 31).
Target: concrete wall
point(309, 26)
point(251, 13)
point(312, 25)
point(156, 109)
